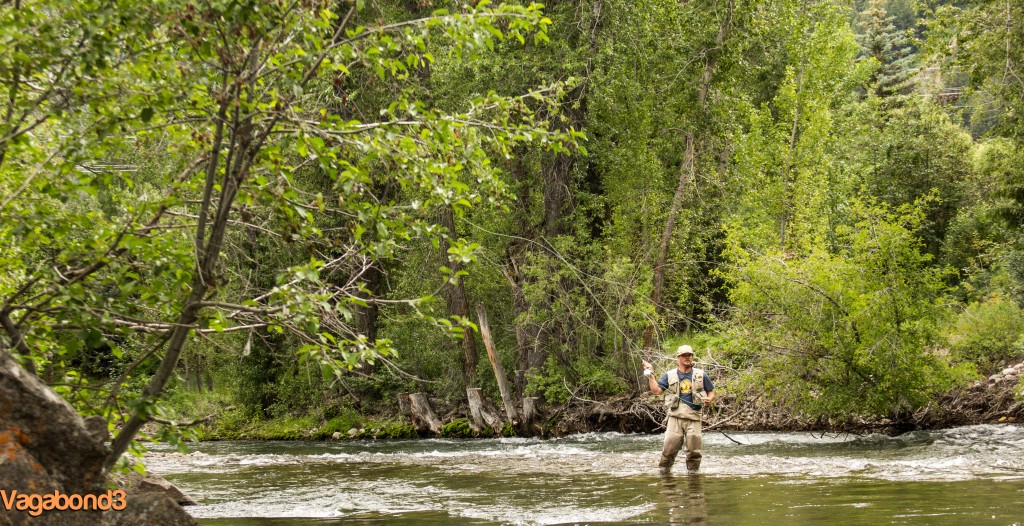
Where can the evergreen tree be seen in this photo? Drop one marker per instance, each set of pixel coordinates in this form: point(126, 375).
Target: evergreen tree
point(880, 39)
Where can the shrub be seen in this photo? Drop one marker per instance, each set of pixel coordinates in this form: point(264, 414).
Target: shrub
point(396, 430)
point(229, 425)
point(287, 428)
point(594, 380)
point(987, 333)
point(850, 331)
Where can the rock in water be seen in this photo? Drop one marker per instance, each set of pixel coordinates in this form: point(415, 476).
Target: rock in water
point(158, 484)
point(149, 509)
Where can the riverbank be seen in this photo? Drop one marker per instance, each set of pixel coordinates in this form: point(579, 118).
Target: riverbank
point(991, 401)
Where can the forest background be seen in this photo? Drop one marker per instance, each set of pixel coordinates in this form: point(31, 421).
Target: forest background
point(275, 217)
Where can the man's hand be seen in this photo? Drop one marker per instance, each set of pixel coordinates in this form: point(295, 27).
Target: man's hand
point(651, 381)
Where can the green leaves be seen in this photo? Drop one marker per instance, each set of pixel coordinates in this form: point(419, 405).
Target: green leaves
point(853, 331)
point(201, 165)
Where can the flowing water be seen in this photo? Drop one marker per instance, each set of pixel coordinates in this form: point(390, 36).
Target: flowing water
point(969, 475)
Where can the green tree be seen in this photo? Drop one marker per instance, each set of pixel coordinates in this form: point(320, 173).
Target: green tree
point(988, 334)
point(792, 174)
point(978, 39)
point(890, 48)
point(225, 97)
point(917, 152)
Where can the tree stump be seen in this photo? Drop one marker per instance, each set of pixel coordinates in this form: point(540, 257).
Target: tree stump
point(423, 416)
point(479, 412)
point(476, 408)
point(530, 425)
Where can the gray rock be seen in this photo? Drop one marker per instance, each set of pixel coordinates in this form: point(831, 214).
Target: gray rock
point(158, 484)
point(1009, 371)
point(336, 435)
point(353, 432)
point(149, 509)
point(41, 430)
point(45, 446)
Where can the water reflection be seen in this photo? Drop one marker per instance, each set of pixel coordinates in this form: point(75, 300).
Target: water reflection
point(685, 498)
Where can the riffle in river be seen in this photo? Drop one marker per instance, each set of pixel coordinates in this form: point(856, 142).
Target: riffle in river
point(968, 475)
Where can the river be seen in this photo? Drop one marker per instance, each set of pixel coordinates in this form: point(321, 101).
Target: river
point(969, 475)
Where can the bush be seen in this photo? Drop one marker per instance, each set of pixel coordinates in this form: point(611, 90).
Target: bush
point(988, 333)
point(595, 380)
point(229, 425)
point(851, 331)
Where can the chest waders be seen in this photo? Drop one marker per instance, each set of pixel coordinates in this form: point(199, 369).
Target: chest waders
point(683, 427)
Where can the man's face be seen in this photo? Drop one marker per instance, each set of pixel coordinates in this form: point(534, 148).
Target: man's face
point(685, 360)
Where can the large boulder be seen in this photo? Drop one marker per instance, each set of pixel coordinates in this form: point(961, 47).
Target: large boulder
point(40, 432)
point(46, 448)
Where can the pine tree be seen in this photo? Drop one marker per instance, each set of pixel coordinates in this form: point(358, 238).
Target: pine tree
point(881, 39)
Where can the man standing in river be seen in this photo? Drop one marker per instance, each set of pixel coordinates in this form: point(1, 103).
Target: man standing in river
point(686, 389)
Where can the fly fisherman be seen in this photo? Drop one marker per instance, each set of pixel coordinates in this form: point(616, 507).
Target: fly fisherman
point(686, 389)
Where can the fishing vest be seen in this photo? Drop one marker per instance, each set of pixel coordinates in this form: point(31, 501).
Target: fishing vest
point(696, 387)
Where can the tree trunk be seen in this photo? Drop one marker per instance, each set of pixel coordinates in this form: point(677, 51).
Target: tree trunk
point(458, 303)
point(366, 317)
point(529, 355)
point(246, 142)
point(476, 416)
point(786, 174)
point(499, 371)
point(199, 375)
point(687, 175)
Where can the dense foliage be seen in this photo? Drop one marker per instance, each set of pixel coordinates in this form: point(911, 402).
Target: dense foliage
point(295, 207)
